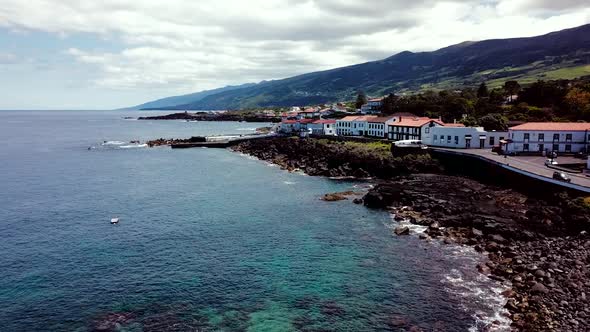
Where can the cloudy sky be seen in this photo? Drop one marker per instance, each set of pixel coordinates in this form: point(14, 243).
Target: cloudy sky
point(88, 54)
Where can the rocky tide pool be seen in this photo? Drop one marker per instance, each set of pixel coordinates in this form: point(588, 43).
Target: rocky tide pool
point(208, 240)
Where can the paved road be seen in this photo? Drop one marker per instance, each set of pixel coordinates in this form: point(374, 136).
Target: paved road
point(532, 165)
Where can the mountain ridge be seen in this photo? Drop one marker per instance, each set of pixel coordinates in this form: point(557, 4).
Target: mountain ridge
point(553, 55)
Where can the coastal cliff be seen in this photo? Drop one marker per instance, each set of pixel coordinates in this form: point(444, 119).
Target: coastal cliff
point(538, 248)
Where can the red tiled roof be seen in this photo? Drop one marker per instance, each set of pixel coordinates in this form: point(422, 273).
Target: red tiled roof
point(306, 121)
point(416, 122)
point(454, 125)
point(324, 122)
point(309, 110)
point(358, 118)
point(290, 121)
point(350, 118)
point(553, 126)
point(381, 119)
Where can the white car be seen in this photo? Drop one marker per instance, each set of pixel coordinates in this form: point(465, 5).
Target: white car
point(550, 162)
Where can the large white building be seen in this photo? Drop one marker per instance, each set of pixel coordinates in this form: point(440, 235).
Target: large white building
point(377, 126)
point(561, 137)
point(353, 125)
point(464, 137)
point(411, 128)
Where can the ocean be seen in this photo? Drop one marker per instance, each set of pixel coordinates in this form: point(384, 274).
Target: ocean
point(208, 240)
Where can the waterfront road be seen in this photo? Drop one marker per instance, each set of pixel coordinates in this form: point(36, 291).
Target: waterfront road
point(533, 165)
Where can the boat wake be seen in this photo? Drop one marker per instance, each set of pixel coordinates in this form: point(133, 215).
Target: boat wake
point(118, 145)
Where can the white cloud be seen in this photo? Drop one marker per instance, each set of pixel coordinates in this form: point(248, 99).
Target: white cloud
point(192, 45)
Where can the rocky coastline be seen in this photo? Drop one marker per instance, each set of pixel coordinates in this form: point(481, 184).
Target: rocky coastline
point(214, 116)
point(540, 249)
point(322, 157)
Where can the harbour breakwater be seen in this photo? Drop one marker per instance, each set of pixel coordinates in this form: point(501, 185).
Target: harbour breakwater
point(539, 247)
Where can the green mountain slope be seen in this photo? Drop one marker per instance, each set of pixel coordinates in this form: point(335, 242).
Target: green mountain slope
point(562, 54)
point(170, 102)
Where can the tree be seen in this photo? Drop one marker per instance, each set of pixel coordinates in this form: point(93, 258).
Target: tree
point(578, 101)
point(483, 92)
point(361, 99)
point(494, 121)
point(389, 104)
point(512, 88)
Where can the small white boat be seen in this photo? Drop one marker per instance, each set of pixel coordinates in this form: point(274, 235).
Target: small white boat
point(114, 221)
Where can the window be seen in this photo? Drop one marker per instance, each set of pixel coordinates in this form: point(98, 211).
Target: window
point(448, 139)
point(435, 137)
point(527, 136)
point(492, 140)
point(526, 147)
point(568, 137)
point(555, 147)
point(456, 139)
point(568, 148)
point(541, 147)
point(427, 130)
point(541, 137)
point(556, 137)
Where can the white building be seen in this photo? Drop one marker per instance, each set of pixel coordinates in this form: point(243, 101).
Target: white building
point(289, 126)
point(323, 127)
point(464, 137)
point(373, 106)
point(377, 126)
point(411, 128)
point(353, 125)
point(562, 137)
point(310, 113)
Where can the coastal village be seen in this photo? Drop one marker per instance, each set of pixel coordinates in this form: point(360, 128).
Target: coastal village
point(546, 139)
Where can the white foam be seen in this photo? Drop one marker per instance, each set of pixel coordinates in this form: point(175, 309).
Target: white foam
point(133, 146)
point(476, 291)
point(289, 183)
point(113, 143)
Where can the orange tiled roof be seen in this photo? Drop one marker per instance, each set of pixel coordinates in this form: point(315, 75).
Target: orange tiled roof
point(415, 122)
point(553, 126)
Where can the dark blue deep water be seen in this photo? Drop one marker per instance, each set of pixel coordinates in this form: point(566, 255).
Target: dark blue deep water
point(209, 240)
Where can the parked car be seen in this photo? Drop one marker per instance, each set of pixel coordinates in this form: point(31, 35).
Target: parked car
point(561, 176)
point(550, 162)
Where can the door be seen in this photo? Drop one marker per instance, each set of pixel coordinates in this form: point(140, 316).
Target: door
point(468, 143)
point(482, 143)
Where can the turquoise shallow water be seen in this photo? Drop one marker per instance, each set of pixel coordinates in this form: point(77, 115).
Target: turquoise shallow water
point(208, 239)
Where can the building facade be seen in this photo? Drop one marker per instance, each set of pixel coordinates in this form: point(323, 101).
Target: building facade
point(464, 137)
point(539, 137)
point(323, 127)
point(353, 125)
point(373, 106)
point(406, 128)
point(377, 127)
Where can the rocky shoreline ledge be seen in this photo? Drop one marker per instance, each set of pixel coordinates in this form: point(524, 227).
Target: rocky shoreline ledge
point(540, 248)
point(213, 116)
point(322, 157)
